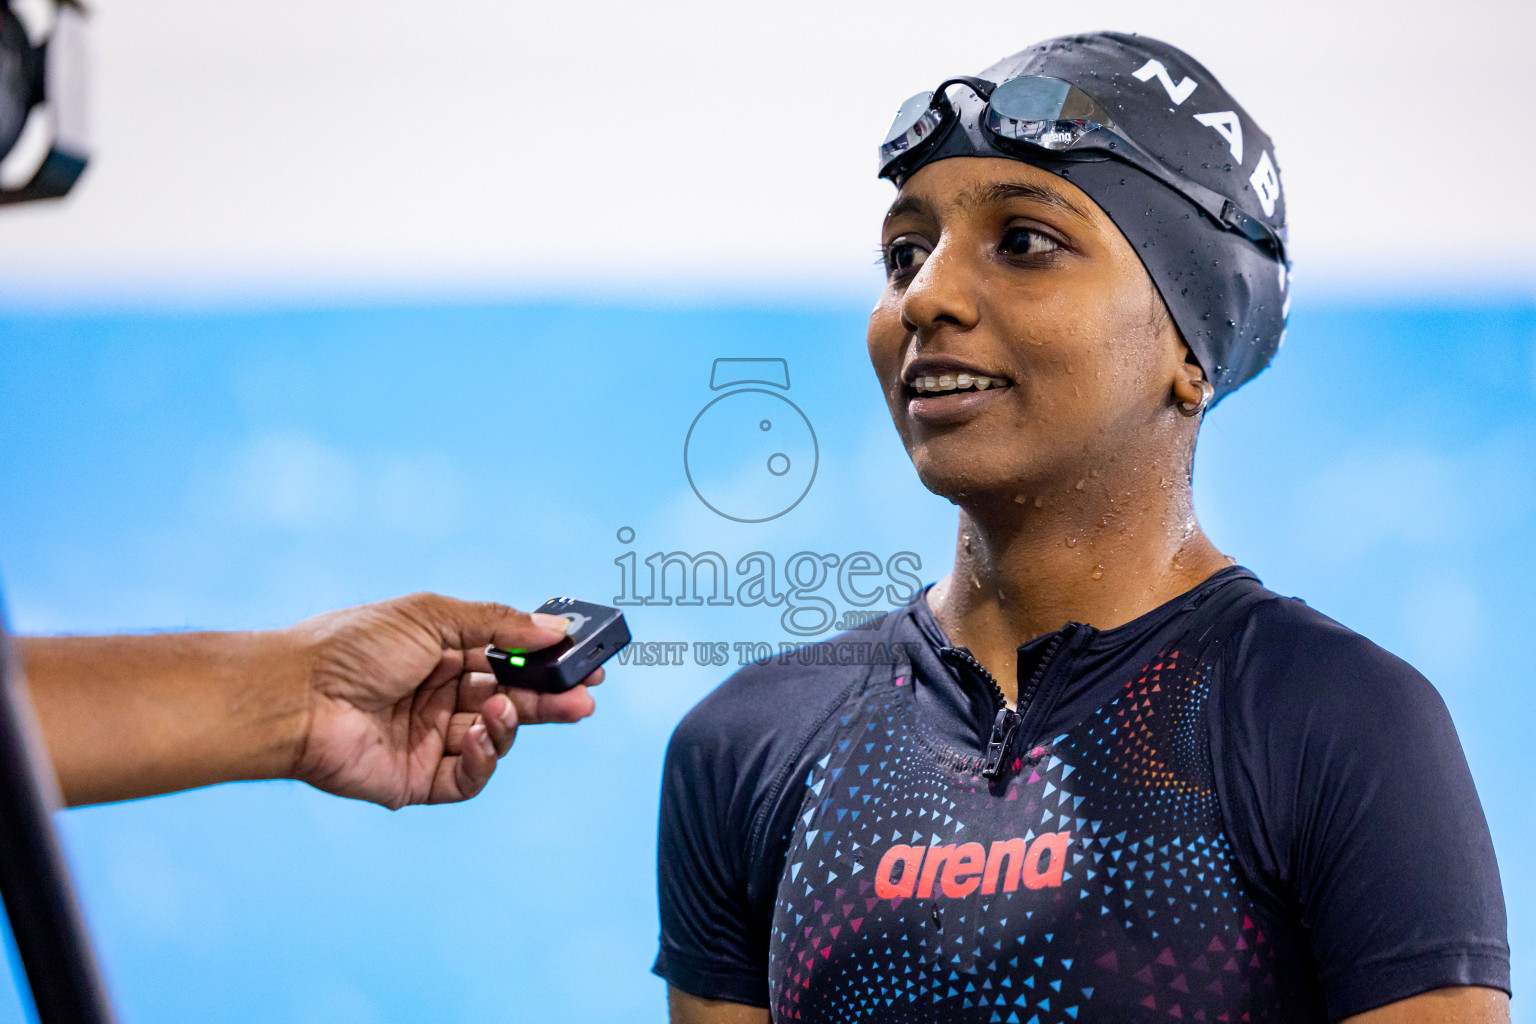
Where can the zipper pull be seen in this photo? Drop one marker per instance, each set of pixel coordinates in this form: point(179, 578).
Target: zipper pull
point(1004, 726)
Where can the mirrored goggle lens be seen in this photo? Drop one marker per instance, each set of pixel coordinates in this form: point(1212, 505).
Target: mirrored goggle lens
point(915, 121)
point(1045, 112)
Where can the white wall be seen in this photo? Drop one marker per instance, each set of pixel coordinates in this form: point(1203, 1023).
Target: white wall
point(378, 146)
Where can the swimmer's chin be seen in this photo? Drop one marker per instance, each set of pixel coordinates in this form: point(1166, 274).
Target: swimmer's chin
point(967, 487)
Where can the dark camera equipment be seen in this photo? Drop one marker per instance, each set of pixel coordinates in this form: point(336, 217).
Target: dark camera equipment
point(596, 634)
point(42, 86)
point(42, 97)
point(54, 948)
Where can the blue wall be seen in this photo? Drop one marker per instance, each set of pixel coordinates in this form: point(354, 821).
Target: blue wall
point(245, 469)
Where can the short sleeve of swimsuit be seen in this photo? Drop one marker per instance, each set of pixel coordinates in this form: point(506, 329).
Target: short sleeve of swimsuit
point(709, 944)
point(722, 833)
point(1348, 799)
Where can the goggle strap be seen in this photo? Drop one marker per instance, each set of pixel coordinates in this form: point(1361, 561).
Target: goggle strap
point(980, 86)
point(1222, 210)
point(1254, 230)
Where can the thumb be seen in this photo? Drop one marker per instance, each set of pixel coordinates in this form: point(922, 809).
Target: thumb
point(469, 625)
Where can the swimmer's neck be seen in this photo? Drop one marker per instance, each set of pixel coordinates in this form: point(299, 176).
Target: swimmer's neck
point(1094, 551)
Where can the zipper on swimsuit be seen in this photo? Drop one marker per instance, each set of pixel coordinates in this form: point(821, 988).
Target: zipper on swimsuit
point(1006, 722)
point(1004, 728)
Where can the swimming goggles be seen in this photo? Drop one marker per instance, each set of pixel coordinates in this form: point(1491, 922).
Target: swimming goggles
point(1033, 112)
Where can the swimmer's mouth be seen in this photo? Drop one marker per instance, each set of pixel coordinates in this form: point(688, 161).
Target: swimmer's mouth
point(933, 380)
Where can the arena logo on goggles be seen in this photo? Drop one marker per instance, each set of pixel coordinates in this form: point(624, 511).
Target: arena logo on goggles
point(959, 870)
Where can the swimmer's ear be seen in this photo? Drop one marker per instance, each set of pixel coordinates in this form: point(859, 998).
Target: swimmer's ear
point(1191, 392)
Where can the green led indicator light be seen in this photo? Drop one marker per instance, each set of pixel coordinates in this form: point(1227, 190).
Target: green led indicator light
point(519, 662)
point(516, 650)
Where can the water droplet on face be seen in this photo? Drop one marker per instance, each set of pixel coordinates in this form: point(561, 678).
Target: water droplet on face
point(1080, 484)
point(1098, 572)
point(1071, 542)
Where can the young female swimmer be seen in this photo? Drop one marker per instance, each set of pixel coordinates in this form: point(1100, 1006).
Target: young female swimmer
point(1118, 780)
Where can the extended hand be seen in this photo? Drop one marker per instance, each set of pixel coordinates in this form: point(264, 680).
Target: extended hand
point(403, 709)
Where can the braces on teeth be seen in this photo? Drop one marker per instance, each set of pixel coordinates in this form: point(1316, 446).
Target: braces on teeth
point(956, 382)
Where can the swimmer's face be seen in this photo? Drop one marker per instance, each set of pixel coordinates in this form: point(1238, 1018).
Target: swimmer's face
point(1002, 271)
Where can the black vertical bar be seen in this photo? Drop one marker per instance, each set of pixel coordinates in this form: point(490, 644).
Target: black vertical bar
point(39, 899)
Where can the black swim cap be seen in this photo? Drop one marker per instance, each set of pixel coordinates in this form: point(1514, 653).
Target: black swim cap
point(1227, 294)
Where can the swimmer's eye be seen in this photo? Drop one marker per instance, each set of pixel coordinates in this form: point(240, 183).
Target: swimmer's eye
point(903, 257)
point(1022, 241)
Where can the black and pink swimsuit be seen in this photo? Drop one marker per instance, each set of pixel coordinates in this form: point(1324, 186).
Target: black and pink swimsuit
point(890, 842)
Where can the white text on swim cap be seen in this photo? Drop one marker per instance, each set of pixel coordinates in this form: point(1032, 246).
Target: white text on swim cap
point(1266, 182)
point(1154, 68)
point(1228, 127)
